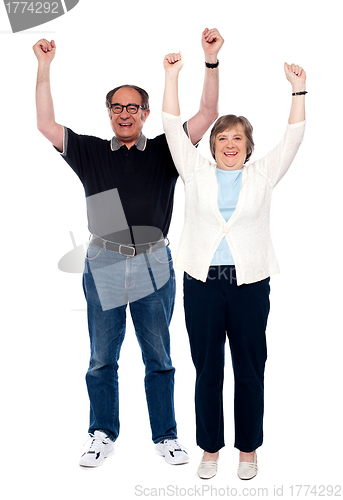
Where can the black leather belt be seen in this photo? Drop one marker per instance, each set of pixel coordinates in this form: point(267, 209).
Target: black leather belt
point(128, 250)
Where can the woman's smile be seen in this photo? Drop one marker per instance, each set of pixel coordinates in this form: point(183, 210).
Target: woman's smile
point(230, 148)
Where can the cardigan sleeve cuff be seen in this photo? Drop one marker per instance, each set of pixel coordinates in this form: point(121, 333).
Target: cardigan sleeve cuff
point(168, 118)
point(298, 124)
point(185, 155)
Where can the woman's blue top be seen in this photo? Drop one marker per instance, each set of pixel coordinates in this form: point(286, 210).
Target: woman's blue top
point(229, 187)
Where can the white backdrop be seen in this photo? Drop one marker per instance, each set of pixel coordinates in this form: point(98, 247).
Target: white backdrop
point(45, 348)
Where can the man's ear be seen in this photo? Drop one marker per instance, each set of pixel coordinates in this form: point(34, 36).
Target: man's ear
point(146, 113)
point(109, 113)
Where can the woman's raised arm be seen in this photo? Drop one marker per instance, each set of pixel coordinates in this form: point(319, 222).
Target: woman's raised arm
point(172, 64)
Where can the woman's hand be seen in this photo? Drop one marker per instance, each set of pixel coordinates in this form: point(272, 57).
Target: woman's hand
point(173, 63)
point(296, 76)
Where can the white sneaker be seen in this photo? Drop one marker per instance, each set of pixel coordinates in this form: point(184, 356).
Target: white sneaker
point(172, 451)
point(100, 448)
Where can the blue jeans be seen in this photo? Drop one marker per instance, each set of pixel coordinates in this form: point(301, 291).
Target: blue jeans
point(146, 282)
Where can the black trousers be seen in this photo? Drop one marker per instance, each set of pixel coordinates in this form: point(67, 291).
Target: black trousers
point(213, 310)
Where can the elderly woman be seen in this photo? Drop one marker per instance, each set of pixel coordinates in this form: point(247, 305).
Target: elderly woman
point(227, 257)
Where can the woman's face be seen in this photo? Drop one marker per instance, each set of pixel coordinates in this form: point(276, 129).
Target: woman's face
point(231, 148)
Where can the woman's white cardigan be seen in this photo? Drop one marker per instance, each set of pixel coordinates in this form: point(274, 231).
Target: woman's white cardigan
point(248, 230)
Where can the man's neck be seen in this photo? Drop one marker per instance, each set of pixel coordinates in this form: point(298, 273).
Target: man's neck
point(128, 144)
point(140, 143)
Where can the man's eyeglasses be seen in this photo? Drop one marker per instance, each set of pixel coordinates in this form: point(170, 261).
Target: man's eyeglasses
point(132, 109)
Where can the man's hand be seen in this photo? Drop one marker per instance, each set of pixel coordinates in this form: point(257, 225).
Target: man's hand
point(173, 63)
point(297, 78)
point(44, 50)
point(212, 42)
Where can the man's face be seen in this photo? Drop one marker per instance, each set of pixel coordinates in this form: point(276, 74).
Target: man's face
point(126, 127)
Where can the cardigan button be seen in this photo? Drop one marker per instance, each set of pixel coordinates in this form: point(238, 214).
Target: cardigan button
point(225, 230)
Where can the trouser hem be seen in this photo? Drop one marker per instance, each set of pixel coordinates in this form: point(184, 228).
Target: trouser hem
point(158, 440)
point(108, 433)
point(210, 449)
point(248, 449)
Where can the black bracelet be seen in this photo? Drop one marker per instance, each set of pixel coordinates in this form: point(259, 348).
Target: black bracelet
point(212, 66)
point(303, 92)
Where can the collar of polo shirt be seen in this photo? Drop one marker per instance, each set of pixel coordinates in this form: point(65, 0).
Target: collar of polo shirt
point(140, 144)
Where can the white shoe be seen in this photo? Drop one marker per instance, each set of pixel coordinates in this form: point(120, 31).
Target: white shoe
point(172, 451)
point(100, 448)
point(248, 470)
point(208, 469)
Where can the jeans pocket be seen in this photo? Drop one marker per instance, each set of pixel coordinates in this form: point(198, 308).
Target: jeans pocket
point(93, 252)
point(163, 255)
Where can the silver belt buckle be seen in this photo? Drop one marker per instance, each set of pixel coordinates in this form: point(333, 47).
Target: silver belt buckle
point(133, 250)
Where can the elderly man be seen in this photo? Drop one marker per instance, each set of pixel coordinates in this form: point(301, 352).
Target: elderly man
point(129, 185)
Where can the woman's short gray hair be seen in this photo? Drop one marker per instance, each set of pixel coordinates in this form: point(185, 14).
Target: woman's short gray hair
point(227, 122)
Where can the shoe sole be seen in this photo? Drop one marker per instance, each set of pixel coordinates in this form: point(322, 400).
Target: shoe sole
point(109, 454)
point(247, 478)
point(161, 454)
point(207, 477)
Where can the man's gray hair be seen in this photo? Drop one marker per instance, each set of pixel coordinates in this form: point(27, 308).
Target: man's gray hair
point(144, 95)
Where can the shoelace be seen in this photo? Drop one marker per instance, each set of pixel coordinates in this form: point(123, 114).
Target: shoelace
point(96, 444)
point(174, 445)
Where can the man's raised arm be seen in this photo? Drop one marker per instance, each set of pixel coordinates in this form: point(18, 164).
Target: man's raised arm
point(208, 111)
point(45, 52)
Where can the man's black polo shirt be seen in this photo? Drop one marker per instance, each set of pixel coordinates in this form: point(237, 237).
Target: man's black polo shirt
point(144, 176)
